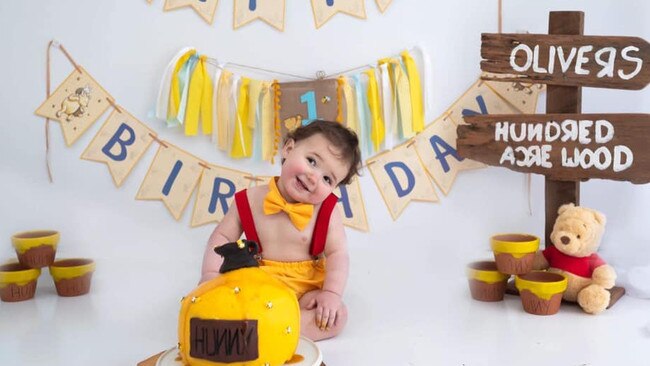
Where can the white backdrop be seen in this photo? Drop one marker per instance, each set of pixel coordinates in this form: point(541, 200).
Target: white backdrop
point(407, 295)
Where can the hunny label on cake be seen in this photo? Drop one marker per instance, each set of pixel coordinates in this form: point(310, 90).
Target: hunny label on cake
point(223, 340)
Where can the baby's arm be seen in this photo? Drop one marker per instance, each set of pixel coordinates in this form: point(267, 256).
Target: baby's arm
point(328, 301)
point(229, 230)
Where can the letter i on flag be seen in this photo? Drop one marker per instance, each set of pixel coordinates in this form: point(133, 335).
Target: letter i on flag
point(217, 190)
point(120, 144)
point(436, 147)
point(401, 179)
point(76, 104)
point(171, 178)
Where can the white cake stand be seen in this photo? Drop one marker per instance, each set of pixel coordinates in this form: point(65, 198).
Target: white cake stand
point(306, 348)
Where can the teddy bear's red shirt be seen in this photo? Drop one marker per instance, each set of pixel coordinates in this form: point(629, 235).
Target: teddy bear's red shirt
point(580, 266)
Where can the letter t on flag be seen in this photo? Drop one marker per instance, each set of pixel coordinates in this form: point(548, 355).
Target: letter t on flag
point(401, 179)
point(171, 178)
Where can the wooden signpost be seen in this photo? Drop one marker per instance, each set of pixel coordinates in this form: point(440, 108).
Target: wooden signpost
point(567, 147)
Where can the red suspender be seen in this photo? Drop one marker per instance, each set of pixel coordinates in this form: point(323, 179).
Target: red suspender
point(246, 217)
point(319, 236)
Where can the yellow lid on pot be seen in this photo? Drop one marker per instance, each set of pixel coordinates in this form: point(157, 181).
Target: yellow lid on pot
point(20, 277)
point(543, 289)
point(70, 268)
point(514, 243)
point(486, 276)
point(30, 239)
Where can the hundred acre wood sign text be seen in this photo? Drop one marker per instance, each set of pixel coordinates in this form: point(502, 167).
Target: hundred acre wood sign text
point(562, 146)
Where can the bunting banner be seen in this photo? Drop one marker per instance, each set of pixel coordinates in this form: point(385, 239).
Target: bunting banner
point(217, 188)
point(520, 95)
point(272, 12)
point(246, 113)
point(351, 205)
point(205, 8)
point(401, 179)
point(171, 178)
point(324, 10)
point(476, 100)
point(436, 147)
point(269, 11)
point(76, 104)
point(120, 144)
point(383, 4)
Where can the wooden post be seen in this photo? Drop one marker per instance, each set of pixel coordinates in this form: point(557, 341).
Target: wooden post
point(562, 99)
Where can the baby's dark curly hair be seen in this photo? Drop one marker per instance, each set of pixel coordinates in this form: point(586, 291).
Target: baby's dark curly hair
point(338, 135)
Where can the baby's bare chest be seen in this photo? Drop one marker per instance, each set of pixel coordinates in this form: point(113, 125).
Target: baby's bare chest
point(280, 239)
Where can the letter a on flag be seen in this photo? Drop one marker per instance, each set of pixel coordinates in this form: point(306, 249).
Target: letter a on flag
point(436, 147)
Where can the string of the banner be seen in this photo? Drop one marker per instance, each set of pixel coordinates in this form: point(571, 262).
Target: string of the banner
point(319, 74)
point(52, 43)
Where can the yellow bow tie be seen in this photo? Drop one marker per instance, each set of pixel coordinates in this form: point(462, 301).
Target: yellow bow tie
point(299, 213)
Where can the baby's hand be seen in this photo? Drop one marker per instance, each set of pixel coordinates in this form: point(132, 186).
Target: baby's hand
point(327, 305)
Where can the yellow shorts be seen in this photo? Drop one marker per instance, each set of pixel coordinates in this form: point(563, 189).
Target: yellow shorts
point(301, 277)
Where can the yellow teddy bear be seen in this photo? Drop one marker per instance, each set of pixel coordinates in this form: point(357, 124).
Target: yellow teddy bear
point(576, 237)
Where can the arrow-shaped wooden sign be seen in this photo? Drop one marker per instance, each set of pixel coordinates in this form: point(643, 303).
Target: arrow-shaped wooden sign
point(565, 147)
point(570, 60)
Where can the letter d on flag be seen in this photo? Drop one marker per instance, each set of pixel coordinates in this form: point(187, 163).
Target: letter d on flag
point(401, 179)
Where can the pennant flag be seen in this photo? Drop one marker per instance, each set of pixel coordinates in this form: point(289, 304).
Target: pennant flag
point(302, 102)
point(171, 178)
point(436, 147)
point(324, 10)
point(217, 190)
point(205, 8)
point(351, 206)
point(120, 144)
point(76, 104)
point(269, 11)
point(479, 99)
point(260, 180)
point(383, 4)
point(401, 179)
point(523, 96)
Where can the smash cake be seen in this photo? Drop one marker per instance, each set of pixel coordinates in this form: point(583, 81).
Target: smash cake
point(243, 317)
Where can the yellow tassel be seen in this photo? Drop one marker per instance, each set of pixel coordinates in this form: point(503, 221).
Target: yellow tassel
point(174, 90)
point(377, 132)
point(415, 88)
point(243, 139)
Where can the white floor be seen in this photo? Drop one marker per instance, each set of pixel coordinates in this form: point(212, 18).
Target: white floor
point(410, 315)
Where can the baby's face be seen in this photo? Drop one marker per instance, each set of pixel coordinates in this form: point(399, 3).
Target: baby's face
point(313, 167)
